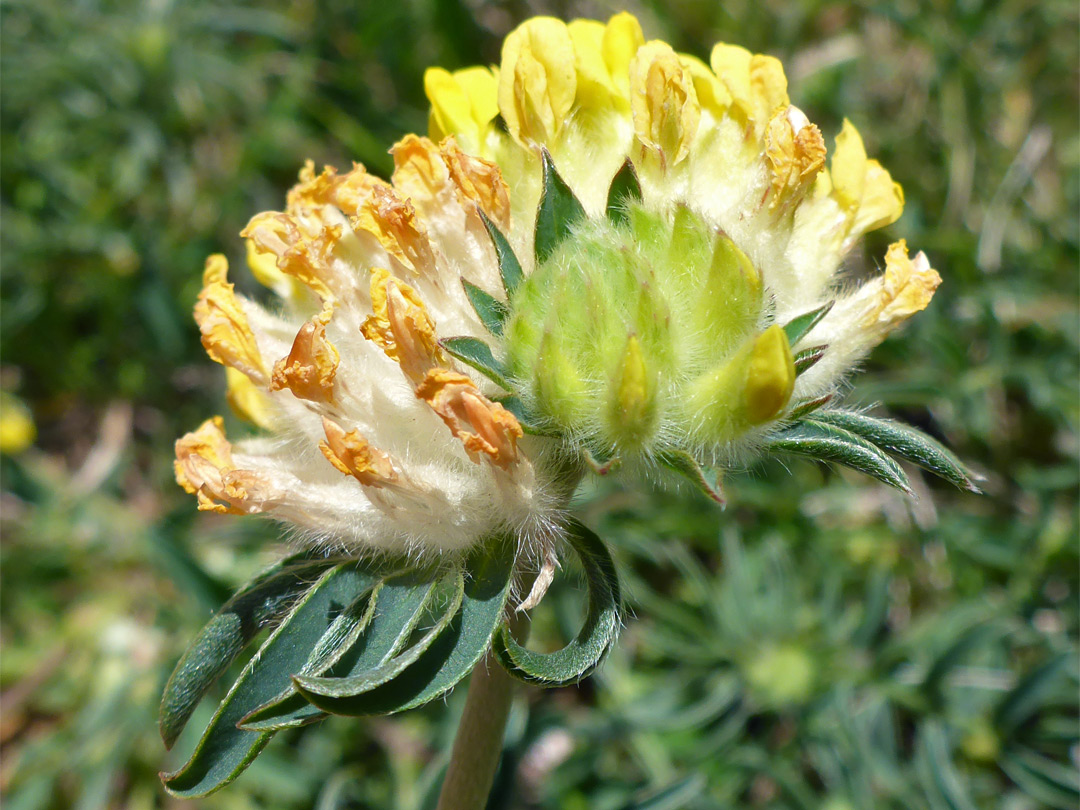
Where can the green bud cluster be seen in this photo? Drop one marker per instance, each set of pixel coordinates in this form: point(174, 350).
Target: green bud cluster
point(643, 334)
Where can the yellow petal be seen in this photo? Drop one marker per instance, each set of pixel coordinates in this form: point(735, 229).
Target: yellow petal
point(711, 92)
point(485, 428)
point(226, 334)
point(352, 454)
point(731, 64)
point(663, 102)
point(768, 87)
point(537, 80)
point(770, 378)
point(594, 85)
point(17, 431)
point(622, 38)
point(312, 364)
point(264, 267)
point(247, 400)
point(906, 288)
point(401, 325)
point(862, 187)
point(795, 153)
point(462, 103)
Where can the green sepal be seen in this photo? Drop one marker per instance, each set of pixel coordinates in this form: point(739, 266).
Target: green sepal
point(491, 311)
point(828, 443)
point(559, 209)
point(601, 463)
point(225, 750)
point(906, 442)
point(808, 358)
point(806, 407)
point(582, 655)
point(625, 188)
point(688, 467)
point(257, 604)
point(399, 605)
point(453, 652)
point(797, 328)
point(509, 266)
point(474, 352)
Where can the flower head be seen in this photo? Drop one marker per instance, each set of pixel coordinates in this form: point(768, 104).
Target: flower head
point(605, 249)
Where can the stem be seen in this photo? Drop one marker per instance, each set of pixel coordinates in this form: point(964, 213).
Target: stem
point(478, 742)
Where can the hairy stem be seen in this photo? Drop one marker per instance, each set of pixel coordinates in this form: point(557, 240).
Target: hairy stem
point(478, 742)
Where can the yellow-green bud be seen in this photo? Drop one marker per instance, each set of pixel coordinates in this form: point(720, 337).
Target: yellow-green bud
point(644, 335)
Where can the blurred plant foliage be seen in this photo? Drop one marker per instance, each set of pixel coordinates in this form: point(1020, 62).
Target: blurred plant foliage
point(823, 644)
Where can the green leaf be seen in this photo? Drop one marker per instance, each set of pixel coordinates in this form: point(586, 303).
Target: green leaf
point(491, 311)
point(1030, 694)
point(827, 443)
point(399, 605)
point(474, 352)
point(797, 328)
point(366, 680)
point(582, 655)
point(674, 797)
point(559, 210)
point(625, 188)
point(225, 750)
point(808, 358)
point(342, 635)
point(905, 442)
point(687, 466)
point(1049, 782)
point(258, 603)
point(509, 266)
point(937, 761)
point(455, 649)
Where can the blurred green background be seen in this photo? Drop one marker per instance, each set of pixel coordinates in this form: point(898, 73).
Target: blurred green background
point(825, 643)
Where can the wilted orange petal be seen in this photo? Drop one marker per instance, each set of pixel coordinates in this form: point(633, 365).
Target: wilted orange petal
point(226, 334)
point(312, 364)
point(484, 427)
point(352, 454)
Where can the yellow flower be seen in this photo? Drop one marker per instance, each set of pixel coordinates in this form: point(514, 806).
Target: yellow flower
point(612, 271)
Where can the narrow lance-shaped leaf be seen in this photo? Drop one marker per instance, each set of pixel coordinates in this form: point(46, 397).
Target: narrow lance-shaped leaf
point(491, 311)
point(807, 406)
point(828, 443)
point(455, 651)
point(582, 655)
point(399, 605)
point(225, 750)
point(625, 189)
point(799, 327)
point(509, 266)
point(223, 638)
point(474, 352)
point(808, 358)
point(905, 442)
point(559, 210)
point(687, 466)
point(362, 682)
